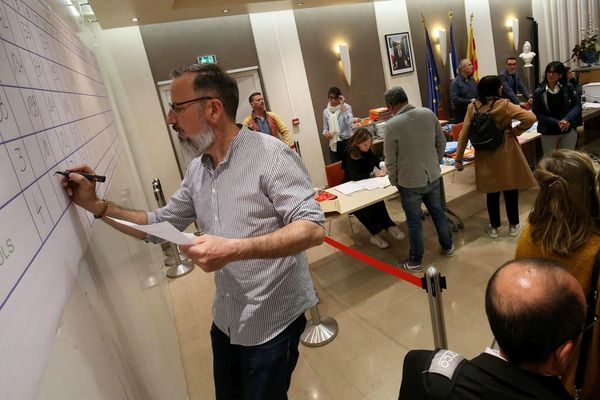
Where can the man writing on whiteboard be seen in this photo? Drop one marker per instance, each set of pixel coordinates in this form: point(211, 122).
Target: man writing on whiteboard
point(253, 199)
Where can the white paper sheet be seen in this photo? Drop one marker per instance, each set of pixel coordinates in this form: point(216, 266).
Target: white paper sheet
point(163, 230)
point(368, 184)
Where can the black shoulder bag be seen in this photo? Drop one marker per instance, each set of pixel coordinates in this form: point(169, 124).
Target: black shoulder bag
point(586, 340)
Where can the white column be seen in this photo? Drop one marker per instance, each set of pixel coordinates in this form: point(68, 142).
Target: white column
point(284, 76)
point(484, 40)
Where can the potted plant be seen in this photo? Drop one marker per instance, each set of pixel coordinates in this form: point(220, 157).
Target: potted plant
point(588, 49)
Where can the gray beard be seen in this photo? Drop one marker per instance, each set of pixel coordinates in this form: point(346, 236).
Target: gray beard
point(197, 145)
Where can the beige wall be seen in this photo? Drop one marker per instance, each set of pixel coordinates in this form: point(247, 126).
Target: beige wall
point(436, 17)
point(319, 30)
point(500, 12)
point(174, 44)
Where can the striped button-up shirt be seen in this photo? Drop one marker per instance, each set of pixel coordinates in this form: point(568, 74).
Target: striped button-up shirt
point(258, 188)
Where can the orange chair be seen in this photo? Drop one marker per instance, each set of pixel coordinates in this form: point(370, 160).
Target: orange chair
point(334, 173)
point(335, 176)
point(456, 128)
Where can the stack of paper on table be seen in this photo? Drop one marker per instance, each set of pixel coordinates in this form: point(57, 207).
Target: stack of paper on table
point(368, 184)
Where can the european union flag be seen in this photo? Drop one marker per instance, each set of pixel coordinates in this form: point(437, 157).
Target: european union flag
point(433, 78)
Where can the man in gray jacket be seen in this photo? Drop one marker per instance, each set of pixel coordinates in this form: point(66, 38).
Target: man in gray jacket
point(414, 144)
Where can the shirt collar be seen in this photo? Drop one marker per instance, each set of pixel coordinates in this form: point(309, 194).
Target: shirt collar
point(556, 88)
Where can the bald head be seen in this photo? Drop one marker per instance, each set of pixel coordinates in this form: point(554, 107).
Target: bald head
point(533, 306)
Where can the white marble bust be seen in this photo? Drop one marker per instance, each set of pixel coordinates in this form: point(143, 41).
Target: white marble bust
point(527, 55)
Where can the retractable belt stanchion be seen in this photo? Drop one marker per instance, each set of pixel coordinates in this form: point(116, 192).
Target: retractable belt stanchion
point(433, 283)
point(319, 331)
point(177, 267)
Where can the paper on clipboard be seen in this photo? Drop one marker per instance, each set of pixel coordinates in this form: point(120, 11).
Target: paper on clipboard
point(163, 230)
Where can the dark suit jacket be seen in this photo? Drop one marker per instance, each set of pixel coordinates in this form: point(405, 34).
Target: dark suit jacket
point(485, 377)
point(511, 88)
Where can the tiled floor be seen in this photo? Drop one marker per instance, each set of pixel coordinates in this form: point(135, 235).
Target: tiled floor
point(380, 317)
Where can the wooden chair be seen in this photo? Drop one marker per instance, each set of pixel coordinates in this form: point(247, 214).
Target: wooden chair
point(335, 176)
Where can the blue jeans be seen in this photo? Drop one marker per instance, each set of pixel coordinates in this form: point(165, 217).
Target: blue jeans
point(411, 200)
point(255, 372)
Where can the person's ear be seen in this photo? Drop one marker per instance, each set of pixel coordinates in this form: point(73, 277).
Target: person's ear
point(563, 354)
point(214, 110)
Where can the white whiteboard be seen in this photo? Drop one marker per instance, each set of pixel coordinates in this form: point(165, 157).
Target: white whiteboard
point(54, 113)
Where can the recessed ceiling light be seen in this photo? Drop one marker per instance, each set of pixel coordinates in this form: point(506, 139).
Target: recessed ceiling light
point(300, 4)
point(135, 19)
point(225, 10)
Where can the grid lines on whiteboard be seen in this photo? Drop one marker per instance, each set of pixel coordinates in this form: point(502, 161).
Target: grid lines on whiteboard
point(54, 114)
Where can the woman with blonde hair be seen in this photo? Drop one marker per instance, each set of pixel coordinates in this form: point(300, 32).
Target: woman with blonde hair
point(359, 163)
point(565, 226)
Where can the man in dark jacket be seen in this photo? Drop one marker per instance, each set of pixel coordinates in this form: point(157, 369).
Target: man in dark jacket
point(512, 83)
point(537, 312)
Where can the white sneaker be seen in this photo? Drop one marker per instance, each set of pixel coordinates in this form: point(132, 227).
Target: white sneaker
point(396, 232)
point(514, 230)
point(491, 231)
point(379, 242)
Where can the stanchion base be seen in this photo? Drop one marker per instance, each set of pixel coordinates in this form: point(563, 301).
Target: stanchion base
point(319, 335)
point(180, 270)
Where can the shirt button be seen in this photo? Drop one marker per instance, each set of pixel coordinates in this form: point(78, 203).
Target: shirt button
point(214, 191)
point(227, 294)
point(216, 219)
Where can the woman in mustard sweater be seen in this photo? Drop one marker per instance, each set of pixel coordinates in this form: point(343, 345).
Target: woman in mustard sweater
point(565, 226)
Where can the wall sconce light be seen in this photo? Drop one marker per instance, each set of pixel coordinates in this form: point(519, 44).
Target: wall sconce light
point(345, 59)
point(443, 44)
point(515, 30)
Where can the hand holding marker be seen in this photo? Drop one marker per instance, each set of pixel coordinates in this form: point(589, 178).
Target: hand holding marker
point(89, 177)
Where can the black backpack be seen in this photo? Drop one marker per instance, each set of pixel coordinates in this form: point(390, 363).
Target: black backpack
point(483, 133)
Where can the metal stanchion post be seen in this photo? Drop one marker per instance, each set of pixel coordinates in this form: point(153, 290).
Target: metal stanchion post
point(319, 331)
point(177, 267)
point(433, 284)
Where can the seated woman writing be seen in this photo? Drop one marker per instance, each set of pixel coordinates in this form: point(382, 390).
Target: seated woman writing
point(360, 162)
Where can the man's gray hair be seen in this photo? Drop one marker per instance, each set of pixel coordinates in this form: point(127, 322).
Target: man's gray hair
point(395, 95)
point(463, 62)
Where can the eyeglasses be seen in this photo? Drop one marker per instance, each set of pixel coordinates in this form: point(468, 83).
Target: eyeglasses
point(333, 97)
point(590, 320)
point(553, 72)
point(177, 109)
point(511, 64)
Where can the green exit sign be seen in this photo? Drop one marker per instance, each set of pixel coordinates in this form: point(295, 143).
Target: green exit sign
point(209, 59)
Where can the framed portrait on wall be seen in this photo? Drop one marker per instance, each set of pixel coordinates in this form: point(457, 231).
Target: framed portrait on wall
point(400, 54)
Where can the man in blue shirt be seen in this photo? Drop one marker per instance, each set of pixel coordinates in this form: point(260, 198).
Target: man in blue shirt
point(463, 90)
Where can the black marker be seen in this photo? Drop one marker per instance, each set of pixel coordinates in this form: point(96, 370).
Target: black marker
point(89, 177)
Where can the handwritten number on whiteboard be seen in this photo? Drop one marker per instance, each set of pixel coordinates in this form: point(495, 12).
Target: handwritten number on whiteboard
point(33, 108)
point(50, 104)
point(46, 147)
point(37, 66)
point(64, 140)
point(24, 168)
point(38, 208)
point(26, 30)
point(3, 110)
point(3, 21)
point(17, 61)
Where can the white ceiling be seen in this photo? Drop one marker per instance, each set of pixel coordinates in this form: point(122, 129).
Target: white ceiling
point(118, 13)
